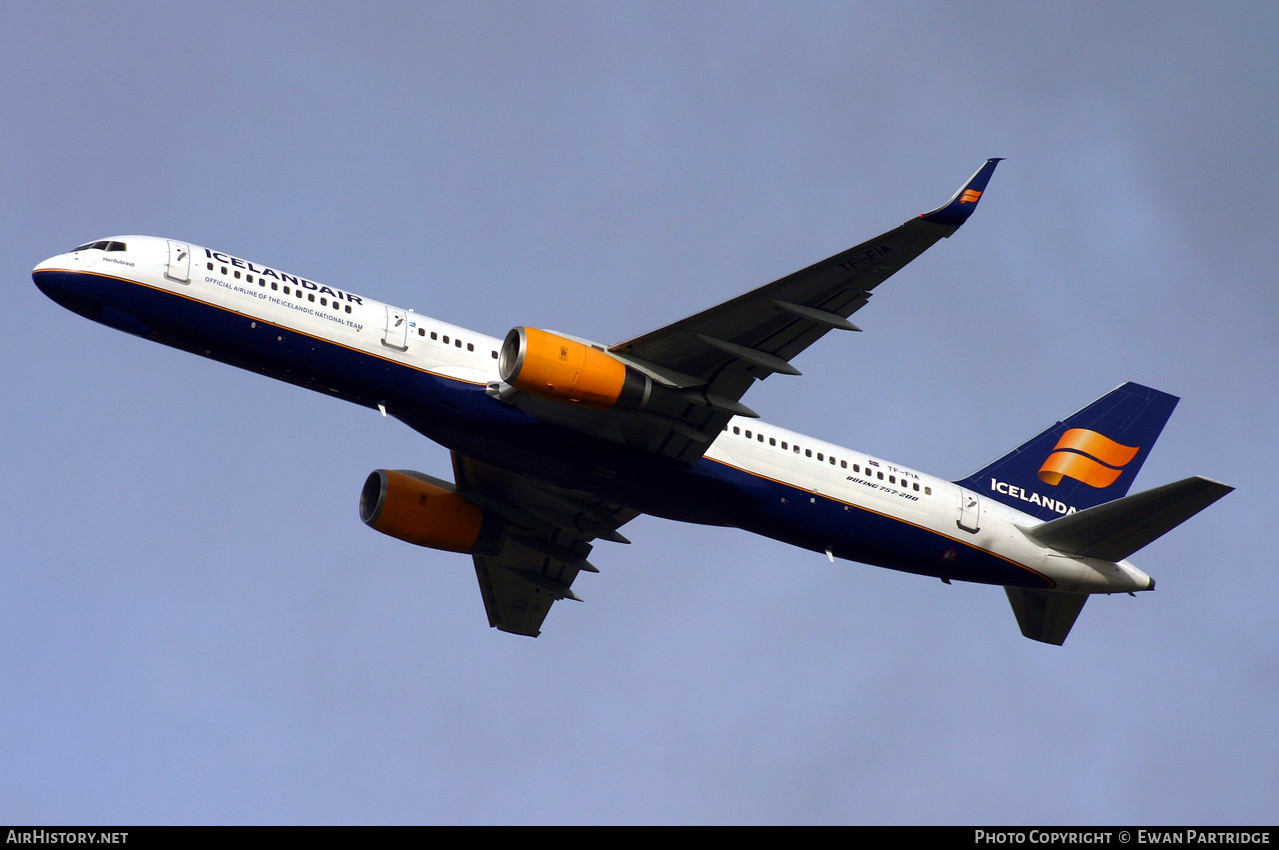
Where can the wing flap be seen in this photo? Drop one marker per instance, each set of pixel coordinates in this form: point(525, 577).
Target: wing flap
point(546, 543)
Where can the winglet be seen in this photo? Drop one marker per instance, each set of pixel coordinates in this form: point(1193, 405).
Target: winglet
point(956, 211)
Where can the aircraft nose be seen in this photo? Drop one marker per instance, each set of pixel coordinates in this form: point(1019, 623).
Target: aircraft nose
point(43, 275)
point(56, 278)
point(58, 261)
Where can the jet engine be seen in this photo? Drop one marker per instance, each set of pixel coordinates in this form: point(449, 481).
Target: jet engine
point(565, 370)
point(425, 511)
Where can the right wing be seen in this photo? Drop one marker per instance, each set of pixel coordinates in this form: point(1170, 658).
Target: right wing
point(719, 353)
point(548, 536)
point(701, 366)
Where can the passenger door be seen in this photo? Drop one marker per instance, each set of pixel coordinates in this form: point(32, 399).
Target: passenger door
point(395, 333)
point(969, 510)
point(179, 264)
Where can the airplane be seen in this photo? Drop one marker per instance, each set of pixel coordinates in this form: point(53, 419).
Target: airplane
point(558, 441)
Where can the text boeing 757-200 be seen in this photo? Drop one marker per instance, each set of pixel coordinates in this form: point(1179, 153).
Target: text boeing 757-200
point(558, 441)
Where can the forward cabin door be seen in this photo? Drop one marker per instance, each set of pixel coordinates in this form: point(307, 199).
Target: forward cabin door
point(179, 266)
point(395, 333)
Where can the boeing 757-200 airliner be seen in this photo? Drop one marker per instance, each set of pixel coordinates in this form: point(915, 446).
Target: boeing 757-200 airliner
point(558, 441)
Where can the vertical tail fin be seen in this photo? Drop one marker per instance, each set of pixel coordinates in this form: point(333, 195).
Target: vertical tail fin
point(1087, 459)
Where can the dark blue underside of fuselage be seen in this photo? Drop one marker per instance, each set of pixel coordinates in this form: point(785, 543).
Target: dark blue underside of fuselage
point(463, 417)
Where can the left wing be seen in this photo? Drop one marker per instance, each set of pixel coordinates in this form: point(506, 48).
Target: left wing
point(547, 541)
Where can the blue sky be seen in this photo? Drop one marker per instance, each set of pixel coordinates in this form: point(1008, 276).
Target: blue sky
point(196, 628)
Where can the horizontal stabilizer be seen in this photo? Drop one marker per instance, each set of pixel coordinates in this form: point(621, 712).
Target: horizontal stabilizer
point(1115, 530)
point(1045, 615)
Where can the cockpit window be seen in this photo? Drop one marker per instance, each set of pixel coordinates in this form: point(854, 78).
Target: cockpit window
point(101, 245)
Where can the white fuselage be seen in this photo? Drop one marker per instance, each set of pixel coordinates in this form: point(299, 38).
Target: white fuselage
point(806, 468)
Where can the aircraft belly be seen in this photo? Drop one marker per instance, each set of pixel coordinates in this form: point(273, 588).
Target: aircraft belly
point(494, 433)
point(868, 534)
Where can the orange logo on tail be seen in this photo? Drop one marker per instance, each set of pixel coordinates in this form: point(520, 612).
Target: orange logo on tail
point(969, 196)
point(1070, 459)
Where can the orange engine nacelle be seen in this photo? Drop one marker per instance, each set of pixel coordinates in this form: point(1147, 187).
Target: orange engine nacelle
point(425, 511)
point(561, 369)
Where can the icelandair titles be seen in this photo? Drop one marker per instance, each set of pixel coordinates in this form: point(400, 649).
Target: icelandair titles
point(281, 276)
point(1032, 497)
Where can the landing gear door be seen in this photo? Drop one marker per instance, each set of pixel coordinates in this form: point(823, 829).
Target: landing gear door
point(179, 265)
point(969, 511)
point(395, 333)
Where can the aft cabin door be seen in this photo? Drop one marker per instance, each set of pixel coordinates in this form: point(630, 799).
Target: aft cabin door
point(396, 331)
point(969, 510)
point(179, 267)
